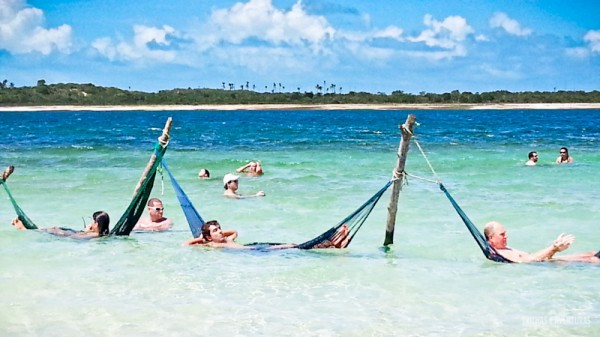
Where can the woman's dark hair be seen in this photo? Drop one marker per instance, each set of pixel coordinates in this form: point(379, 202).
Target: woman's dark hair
point(103, 221)
point(206, 228)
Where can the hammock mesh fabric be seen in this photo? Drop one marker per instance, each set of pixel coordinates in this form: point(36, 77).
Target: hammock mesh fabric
point(24, 218)
point(194, 219)
point(138, 203)
point(354, 221)
point(488, 251)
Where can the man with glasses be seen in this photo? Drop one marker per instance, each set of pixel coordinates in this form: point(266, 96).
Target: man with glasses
point(155, 221)
point(533, 158)
point(564, 157)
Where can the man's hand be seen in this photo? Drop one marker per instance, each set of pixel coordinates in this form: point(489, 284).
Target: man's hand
point(563, 242)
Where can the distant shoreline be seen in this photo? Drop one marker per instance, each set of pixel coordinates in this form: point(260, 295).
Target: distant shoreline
point(252, 107)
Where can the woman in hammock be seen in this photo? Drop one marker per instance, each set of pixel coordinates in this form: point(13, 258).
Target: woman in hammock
point(213, 236)
point(97, 228)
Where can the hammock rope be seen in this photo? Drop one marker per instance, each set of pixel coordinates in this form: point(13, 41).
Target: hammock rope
point(354, 221)
point(488, 251)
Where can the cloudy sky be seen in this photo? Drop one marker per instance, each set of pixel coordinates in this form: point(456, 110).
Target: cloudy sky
point(357, 45)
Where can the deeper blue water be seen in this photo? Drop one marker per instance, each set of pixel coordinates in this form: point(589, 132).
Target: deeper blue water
point(319, 167)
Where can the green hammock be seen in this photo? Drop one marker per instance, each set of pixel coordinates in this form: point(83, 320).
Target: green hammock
point(24, 218)
point(354, 221)
point(141, 195)
point(488, 251)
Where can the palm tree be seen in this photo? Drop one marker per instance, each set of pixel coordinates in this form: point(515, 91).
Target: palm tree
point(223, 85)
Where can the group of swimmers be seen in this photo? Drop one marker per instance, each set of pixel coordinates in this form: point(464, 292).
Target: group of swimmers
point(213, 236)
point(563, 158)
point(496, 236)
point(211, 233)
point(231, 181)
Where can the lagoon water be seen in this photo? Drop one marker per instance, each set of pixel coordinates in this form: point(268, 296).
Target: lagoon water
point(319, 167)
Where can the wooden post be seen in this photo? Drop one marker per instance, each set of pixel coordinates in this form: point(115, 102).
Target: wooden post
point(407, 130)
point(163, 140)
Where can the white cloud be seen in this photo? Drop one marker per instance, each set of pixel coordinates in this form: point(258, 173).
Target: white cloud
point(390, 32)
point(370, 53)
point(141, 48)
point(448, 34)
point(445, 34)
point(593, 39)
point(458, 51)
point(22, 30)
point(481, 38)
point(511, 26)
point(259, 19)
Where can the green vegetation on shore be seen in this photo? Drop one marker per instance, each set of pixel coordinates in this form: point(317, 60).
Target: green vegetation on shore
point(88, 94)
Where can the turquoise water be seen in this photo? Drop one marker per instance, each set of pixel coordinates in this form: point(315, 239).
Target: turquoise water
point(319, 167)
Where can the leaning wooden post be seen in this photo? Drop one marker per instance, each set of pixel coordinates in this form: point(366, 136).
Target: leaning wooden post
point(163, 140)
point(407, 131)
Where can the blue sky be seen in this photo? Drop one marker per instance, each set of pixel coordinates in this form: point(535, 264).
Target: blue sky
point(374, 46)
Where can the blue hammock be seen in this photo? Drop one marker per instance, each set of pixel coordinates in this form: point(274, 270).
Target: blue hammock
point(354, 221)
point(194, 219)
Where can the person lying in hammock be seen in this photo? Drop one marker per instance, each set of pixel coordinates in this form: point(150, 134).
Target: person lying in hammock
point(97, 228)
point(213, 236)
point(496, 236)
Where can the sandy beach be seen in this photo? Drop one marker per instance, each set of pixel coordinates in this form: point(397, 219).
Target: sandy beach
point(231, 107)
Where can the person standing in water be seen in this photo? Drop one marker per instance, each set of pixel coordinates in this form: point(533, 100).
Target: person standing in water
point(564, 157)
point(230, 183)
point(533, 158)
point(252, 169)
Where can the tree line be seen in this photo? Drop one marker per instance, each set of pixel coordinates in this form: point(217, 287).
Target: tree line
point(90, 94)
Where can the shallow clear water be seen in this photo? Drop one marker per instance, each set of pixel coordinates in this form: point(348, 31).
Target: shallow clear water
point(319, 167)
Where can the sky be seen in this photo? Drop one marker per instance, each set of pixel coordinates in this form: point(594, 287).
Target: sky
point(296, 45)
